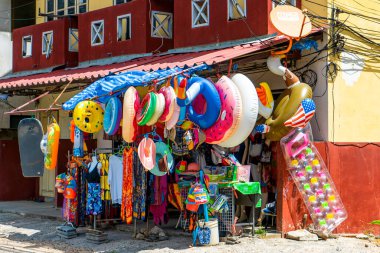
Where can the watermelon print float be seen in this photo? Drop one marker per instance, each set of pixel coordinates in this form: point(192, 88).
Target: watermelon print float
point(231, 109)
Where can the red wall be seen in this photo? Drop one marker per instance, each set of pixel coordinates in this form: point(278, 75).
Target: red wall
point(355, 169)
point(219, 28)
point(60, 54)
point(140, 42)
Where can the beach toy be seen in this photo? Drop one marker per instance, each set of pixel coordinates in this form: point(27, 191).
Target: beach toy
point(309, 154)
point(297, 144)
point(329, 216)
point(180, 85)
point(130, 108)
point(147, 153)
point(162, 150)
point(303, 115)
point(51, 156)
point(286, 106)
point(275, 66)
point(174, 118)
point(294, 164)
point(200, 86)
point(262, 128)
point(170, 101)
point(266, 102)
point(43, 144)
point(112, 116)
point(230, 115)
point(249, 114)
point(159, 109)
point(147, 109)
point(88, 116)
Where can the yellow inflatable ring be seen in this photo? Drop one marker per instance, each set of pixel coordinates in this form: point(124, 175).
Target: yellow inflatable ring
point(88, 116)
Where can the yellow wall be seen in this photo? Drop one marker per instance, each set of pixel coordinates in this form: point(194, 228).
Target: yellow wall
point(92, 5)
point(354, 96)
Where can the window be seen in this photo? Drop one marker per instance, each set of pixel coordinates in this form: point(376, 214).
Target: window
point(97, 32)
point(47, 43)
point(27, 46)
point(73, 40)
point(162, 24)
point(121, 1)
point(237, 9)
point(200, 12)
point(282, 2)
point(124, 27)
point(65, 7)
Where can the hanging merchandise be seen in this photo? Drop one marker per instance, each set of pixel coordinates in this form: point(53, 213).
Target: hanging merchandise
point(266, 102)
point(94, 201)
point(158, 110)
point(231, 112)
point(130, 108)
point(164, 160)
point(115, 178)
point(147, 109)
point(51, 156)
point(172, 121)
point(78, 142)
point(313, 180)
point(180, 84)
point(197, 86)
point(112, 116)
point(139, 189)
point(88, 116)
point(304, 114)
point(197, 196)
point(249, 114)
point(158, 199)
point(170, 101)
point(127, 190)
point(104, 174)
point(147, 153)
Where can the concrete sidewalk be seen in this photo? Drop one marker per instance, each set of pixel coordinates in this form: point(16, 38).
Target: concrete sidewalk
point(45, 210)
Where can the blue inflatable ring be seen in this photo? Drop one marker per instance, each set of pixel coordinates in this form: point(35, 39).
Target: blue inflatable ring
point(112, 116)
point(195, 87)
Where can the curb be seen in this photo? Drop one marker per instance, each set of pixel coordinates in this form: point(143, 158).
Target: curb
point(33, 215)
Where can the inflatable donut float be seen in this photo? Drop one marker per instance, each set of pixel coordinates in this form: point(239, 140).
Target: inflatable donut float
point(286, 106)
point(88, 116)
point(158, 110)
point(161, 150)
point(130, 107)
point(52, 144)
point(112, 116)
point(170, 100)
point(195, 87)
point(174, 118)
point(250, 108)
point(147, 109)
point(231, 109)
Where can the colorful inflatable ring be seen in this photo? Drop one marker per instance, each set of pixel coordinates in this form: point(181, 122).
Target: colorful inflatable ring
point(130, 108)
point(197, 86)
point(112, 116)
point(51, 156)
point(230, 114)
point(161, 150)
point(266, 102)
point(170, 100)
point(174, 118)
point(147, 109)
point(250, 105)
point(160, 106)
point(88, 116)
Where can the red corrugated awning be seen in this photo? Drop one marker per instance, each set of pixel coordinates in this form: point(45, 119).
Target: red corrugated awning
point(147, 63)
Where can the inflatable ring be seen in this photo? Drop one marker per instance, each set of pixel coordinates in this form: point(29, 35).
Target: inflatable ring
point(231, 109)
point(88, 116)
point(160, 106)
point(266, 102)
point(174, 118)
point(250, 105)
point(112, 116)
point(130, 108)
point(147, 109)
point(51, 156)
point(197, 86)
point(161, 150)
point(170, 100)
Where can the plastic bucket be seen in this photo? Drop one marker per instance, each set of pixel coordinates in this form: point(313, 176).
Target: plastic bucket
point(212, 224)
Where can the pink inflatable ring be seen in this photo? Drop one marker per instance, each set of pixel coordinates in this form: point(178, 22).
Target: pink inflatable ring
point(231, 110)
point(170, 100)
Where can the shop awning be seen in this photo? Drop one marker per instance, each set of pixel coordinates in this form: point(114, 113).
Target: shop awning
point(148, 63)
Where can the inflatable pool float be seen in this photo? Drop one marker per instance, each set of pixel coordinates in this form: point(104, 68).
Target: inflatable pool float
point(286, 106)
point(174, 118)
point(250, 105)
point(51, 156)
point(170, 100)
point(158, 110)
point(88, 116)
point(274, 64)
point(266, 102)
point(197, 86)
point(130, 108)
point(231, 109)
point(112, 116)
point(147, 109)
point(147, 153)
point(161, 150)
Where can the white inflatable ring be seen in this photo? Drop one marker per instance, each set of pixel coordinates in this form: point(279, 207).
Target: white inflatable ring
point(250, 105)
point(170, 100)
point(160, 106)
point(231, 110)
point(130, 107)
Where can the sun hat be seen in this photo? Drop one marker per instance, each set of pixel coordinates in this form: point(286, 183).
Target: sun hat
point(147, 153)
point(162, 150)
